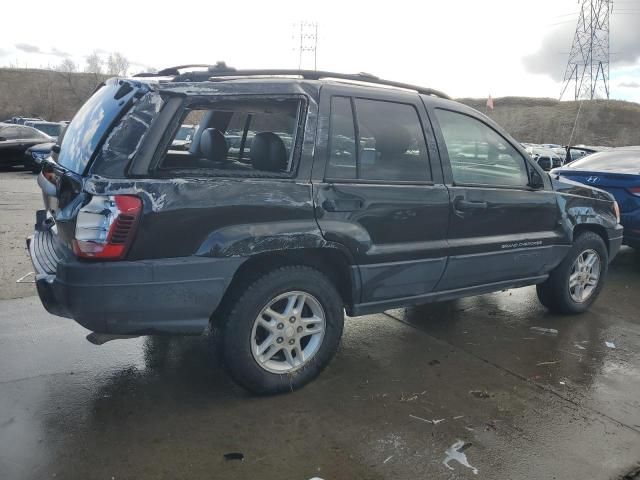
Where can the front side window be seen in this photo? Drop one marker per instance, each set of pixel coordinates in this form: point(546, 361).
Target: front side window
point(478, 154)
point(239, 136)
point(390, 143)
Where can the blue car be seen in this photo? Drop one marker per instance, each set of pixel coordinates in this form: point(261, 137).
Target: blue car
point(618, 172)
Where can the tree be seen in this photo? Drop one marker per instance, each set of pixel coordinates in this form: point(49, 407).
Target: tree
point(117, 64)
point(67, 66)
point(94, 64)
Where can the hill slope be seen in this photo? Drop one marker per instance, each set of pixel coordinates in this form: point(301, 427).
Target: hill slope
point(57, 96)
point(545, 120)
point(44, 93)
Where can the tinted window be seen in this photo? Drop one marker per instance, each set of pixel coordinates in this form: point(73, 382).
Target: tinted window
point(342, 142)
point(391, 142)
point(478, 154)
point(250, 136)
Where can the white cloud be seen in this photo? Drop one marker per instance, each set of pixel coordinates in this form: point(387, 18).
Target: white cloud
point(463, 47)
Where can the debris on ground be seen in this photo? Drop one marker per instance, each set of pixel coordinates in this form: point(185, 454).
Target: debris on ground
point(456, 452)
point(234, 456)
point(479, 393)
point(544, 331)
point(432, 422)
point(610, 344)
point(433, 362)
point(539, 364)
point(579, 347)
point(22, 278)
point(458, 417)
point(387, 459)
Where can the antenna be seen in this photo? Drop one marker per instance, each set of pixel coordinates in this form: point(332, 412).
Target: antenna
point(587, 70)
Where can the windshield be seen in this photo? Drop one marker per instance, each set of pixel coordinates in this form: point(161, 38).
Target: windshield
point(89, 126)
point(53, 130)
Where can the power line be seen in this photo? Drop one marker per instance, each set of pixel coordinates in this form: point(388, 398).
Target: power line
point(588, 65)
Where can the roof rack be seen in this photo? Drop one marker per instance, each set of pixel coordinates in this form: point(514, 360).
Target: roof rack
point(220, 72)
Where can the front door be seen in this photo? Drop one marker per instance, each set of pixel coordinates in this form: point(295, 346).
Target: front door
point(381, 194)
point(501, 229)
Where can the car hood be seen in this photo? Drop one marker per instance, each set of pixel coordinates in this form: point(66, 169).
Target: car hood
point(569, 187)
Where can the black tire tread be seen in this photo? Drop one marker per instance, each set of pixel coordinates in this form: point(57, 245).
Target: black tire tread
point(255, 380)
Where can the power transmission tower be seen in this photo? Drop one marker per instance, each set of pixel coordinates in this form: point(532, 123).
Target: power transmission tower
point(588, 66)
point(307, 34)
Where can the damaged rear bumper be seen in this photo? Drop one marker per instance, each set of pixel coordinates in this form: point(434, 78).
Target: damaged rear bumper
point(173, 296)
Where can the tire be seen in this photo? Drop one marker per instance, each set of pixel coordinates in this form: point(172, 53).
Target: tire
point(245, 331)
point(556, 293)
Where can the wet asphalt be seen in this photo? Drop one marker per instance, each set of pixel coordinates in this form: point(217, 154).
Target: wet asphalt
point(405, 387)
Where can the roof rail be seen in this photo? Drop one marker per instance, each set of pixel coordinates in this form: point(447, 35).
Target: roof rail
point(220, 72)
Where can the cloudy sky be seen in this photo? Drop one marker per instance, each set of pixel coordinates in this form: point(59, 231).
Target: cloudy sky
point(463, 47)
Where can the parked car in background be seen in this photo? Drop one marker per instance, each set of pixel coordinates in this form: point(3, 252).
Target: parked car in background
point(53, 129)
point(183, 138)
point(351, 196)
point(545, 157)
point(34, 156)
point(15, 140)
point(22, 120)
point(616, 171)
point(575, 152)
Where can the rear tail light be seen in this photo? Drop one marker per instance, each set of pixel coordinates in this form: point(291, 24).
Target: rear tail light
point(105, 226)
point(635, 191)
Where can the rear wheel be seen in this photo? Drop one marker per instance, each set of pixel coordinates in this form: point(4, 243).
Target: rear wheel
point(283, 330)
point(575, 284)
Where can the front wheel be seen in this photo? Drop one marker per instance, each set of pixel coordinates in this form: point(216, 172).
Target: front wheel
point(283, 330)
point(575, 284)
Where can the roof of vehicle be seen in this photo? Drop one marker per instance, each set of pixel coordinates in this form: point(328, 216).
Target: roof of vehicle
point(216, 76)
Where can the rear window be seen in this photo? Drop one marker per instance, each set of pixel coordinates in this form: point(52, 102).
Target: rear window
point(89, 125)
point(609, 161)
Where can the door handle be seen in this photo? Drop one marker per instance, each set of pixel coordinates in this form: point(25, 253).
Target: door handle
point(342, 205)
point(468, 205)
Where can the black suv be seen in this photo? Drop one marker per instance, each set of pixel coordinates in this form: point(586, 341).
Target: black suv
point(342, 192)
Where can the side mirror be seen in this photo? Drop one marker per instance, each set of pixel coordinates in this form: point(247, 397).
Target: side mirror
point(55, 149)
point(535, 179)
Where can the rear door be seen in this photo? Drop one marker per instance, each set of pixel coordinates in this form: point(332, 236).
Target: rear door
point(378, 191)
point(501, 229)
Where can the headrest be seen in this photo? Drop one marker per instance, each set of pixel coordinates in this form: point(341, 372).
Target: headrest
point(268, 152)
point(213, 145)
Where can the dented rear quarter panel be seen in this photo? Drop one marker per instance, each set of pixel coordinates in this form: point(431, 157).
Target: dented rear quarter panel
point(218, 216)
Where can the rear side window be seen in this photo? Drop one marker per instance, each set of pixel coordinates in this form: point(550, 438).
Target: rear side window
point(253, 137)
point(478, 154)
point(390, 143)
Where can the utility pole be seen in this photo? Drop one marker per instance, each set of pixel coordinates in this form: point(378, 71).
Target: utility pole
point(587, 72)
point(306, 33)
